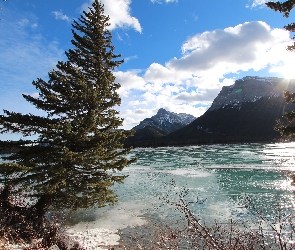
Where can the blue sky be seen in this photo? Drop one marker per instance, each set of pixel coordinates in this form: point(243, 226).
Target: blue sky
point(178, 54)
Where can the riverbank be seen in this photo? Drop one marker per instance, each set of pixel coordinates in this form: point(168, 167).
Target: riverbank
point(99, 229)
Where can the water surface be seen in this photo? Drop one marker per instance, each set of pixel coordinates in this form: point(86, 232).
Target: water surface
point(217, 177)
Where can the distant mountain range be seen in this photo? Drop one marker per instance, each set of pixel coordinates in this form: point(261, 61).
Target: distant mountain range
point(159, 125)
point(244, 112)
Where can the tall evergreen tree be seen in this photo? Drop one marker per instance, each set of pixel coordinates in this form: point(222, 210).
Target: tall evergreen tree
point(71, 156)
point(286, 130)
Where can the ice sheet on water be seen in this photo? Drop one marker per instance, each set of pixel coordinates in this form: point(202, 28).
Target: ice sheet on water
point(102, 231)
point(190, 173)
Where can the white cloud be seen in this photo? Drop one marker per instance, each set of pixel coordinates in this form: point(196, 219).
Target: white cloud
point(60, 16)
point(201, 96)
point(127, 59)
point(132, 117)
point(243, 47)
point(160, 74)
point(136, 103)
point(119, 13)
point(129, 80)
point(257, 3)
point(120, 17)
point(24, 22)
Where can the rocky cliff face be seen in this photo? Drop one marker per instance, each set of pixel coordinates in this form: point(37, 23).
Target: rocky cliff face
point(166, 121)
point(251, 89)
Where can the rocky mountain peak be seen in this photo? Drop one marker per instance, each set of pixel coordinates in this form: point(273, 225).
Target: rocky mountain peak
point(166, 121)
point(162, 111)
point(251, 89)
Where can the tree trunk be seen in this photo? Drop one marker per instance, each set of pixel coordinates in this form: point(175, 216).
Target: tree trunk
point(4, 196)
point(39, 210)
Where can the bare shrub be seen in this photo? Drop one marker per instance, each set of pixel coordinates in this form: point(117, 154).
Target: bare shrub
point(257, 230)
point(20, 224)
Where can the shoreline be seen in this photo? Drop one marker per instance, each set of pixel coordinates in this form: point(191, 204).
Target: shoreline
point(103, 231)
point(96, 238)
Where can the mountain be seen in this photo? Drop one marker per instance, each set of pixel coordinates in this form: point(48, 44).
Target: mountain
point(243, 112)
point(251, 89)
point(159, 125)
point(166, 121)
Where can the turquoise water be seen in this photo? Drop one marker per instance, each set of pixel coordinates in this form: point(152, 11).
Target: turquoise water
point(217, 177)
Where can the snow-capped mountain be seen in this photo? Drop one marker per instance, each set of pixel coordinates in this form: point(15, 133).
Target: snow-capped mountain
point(251, 89)
point(166, 121)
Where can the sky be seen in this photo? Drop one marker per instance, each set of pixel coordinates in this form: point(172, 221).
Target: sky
point(178, 53)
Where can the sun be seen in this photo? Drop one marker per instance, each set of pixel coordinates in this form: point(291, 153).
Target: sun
point(285, 69)
point(288, 71)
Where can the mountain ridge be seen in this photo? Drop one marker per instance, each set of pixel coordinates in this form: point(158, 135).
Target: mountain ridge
point(251, 89)
point(166, 121)
point(159, 125)
point(243, 112)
